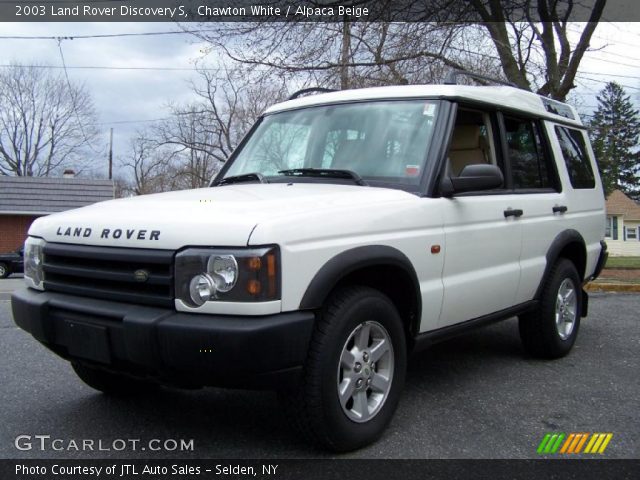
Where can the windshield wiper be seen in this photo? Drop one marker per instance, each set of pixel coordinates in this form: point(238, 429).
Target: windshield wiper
point(325, 173)
point(245, 177)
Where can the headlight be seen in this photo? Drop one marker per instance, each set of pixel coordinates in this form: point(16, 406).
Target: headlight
point(33, 259)
point(225, 270)
point(241, 275)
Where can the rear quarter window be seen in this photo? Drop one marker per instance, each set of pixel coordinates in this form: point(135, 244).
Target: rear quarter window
point(574, 152)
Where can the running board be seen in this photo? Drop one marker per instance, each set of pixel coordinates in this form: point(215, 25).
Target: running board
point(426, 339)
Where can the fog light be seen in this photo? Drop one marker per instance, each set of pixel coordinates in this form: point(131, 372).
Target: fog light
point(202, 288)
point(33, 263)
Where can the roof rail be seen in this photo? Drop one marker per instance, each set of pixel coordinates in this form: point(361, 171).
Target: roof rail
point(452, 77)
point(309, 90)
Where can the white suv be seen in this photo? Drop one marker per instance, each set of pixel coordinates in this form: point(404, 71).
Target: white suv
point(347, 230)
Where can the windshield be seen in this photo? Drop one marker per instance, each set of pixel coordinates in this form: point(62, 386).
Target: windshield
point(383, 141)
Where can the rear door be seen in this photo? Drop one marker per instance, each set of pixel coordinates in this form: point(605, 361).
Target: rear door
point(536, 184)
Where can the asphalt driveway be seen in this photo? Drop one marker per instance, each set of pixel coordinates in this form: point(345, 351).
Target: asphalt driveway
point(476, 396)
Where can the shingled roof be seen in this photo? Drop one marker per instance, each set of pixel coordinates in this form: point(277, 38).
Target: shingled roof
point(44, 195)
point(619, 204)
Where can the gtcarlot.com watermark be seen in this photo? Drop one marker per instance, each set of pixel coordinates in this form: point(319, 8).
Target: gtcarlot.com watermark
point(47, 443)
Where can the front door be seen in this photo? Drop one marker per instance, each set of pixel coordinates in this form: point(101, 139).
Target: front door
point(483, 232)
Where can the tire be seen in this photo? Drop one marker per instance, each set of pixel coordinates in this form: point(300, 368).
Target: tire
point(112, 383)
point(551, 330)
point(4, 270)
point(358, 342)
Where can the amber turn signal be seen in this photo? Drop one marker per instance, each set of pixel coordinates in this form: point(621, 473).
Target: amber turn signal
point(254, 263)
point(254, 287)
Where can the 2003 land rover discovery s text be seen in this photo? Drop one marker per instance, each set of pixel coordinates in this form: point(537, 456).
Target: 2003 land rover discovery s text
point(347, 230)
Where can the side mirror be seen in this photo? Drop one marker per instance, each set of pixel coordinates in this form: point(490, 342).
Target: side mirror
point(476, 177)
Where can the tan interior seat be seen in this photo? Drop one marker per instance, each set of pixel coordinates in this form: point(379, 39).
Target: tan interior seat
point(466, 148)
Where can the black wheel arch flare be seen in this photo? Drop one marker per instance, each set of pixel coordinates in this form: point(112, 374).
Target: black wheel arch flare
point(567, 238)
point(356, 259)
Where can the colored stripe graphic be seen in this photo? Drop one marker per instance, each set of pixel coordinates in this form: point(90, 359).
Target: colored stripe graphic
point(543, 443)
point(598, 442)
point(581, 443)
point(576, 443)
point(573, 443)
point(556, 445)
point(566, 445)
point(594, 437)
point(550, 443)
point(606, 442)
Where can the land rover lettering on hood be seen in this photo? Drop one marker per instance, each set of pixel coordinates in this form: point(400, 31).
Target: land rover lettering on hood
point(115, 233)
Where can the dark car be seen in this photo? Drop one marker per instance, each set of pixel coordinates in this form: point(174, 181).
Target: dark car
point(11, 262)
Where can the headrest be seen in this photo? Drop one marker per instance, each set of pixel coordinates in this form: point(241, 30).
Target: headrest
point(348, 152)
point(349, 147)
point(466, 137)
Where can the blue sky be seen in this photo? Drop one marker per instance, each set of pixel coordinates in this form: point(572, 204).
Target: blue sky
point(132, 96)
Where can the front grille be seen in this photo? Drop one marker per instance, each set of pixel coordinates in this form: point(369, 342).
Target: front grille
point(109, 273)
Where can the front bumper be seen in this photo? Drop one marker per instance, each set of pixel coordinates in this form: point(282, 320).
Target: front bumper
point(170, 347)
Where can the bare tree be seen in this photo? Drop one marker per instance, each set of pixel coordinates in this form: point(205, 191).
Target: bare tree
point(189, 148)
point(527, 41)
point(45, 123)
point(203, 134)
point(344, 54)
point(532, 41)
point(122, 186)
point(148, 167)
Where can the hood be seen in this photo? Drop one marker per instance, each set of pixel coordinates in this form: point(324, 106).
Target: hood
point(220, 216)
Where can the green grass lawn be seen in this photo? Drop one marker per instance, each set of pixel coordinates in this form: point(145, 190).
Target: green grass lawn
point(624, 262)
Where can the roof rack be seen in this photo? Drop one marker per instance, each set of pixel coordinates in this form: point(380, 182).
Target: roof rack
point(309, 90)
point(452, 77)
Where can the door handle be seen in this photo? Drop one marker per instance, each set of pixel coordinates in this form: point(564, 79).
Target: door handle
point(511, 212)
point(560, 209)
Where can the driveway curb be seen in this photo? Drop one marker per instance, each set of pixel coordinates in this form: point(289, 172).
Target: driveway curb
point(612, 287)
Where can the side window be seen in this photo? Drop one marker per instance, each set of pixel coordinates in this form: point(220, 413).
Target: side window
point(574, 151)
point(471, 142)
point(529, 167)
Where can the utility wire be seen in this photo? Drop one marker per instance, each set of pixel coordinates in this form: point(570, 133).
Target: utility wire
point(614, 62)
point(602, 52)
point(161, 69)
point(103, 35)
point(608, 41)
point(73, 98)
point(183, 32)
point(604, 81)
point(99, 67)
point(209, 69)
point(635, 77)
point(215, 69)
point(118, 122)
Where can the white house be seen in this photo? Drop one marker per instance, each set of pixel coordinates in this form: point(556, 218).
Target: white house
point(623, 225)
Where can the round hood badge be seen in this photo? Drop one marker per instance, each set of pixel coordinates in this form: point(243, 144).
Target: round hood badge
point(141, 275)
